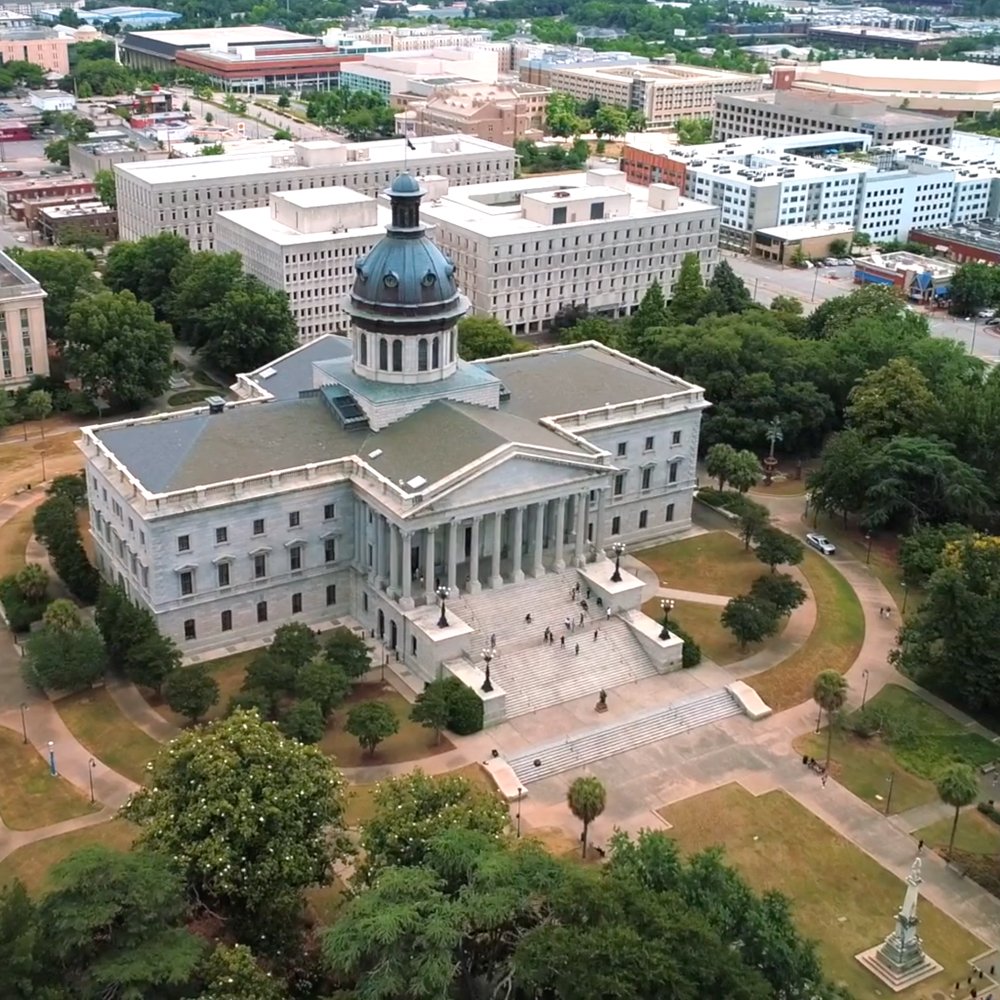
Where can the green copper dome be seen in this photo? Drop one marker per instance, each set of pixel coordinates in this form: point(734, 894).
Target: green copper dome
point(406, 284)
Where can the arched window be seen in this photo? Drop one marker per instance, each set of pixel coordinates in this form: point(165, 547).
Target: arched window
point(397, 355)
point(422, 354)
point(383, 354)
point(436, 352)
point(364, 348)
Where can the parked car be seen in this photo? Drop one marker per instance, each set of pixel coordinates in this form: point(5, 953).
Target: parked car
point(831, 261)
point(987, 313)
point(821, 544)
point(846, 261)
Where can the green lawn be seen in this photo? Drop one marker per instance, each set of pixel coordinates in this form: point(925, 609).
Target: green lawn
point(30, 796)
point(976, 834)
point(833, 644)
point(703, 622)
point(842, 898)
point(712, 563)
point(97, 722)
point(33, 862)
point(412, 742)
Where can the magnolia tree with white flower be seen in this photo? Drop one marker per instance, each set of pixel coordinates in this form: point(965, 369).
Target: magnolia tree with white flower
point(252, 818)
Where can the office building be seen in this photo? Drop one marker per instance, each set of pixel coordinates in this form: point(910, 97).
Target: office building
point(357, 474)
point(15, 192)
point(160, 49)
point(183, 195)
point(869, 38)
point(38, 46)
point(799, 112)
point(24, 352)
point(537, 63)
point(526, 249)
point(71, 223)
point(390, 73)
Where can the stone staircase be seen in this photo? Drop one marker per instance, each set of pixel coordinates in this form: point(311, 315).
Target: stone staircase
point(605, 741)
point(536, 675)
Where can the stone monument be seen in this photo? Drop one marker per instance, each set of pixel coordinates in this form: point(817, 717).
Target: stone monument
point(900, 960)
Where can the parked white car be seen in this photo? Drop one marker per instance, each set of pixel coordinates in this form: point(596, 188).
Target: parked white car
point(821, 544)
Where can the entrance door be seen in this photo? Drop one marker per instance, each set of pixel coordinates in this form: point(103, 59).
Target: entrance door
point(392, 635)
point(381, 624)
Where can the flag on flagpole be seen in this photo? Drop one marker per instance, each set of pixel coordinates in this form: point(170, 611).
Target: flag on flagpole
point(409, 145)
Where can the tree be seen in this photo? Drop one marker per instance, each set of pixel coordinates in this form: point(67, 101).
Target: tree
point(957, 787)
point(726, 291)
point(304, 721)
point(63, 616)
point(921, 551)
point(145, 268)
point(64, 659)
point(324, 683)
point(586, 799)
point(719, 460)
point(33, 582)
point(57, 151)
point(106, 187)
point(252, 819)
point(780, 591)
point(744, 471)
point(283, 101)
point(411, 810)
point(198, 282)
point(114, 923)
point(117, 349)
point(610, 120)
point(249, 325)
point(294, 643)
point(348, 651)
point(484, 337)
point(371, 722)
point(25, 973)
point(271, 679)
point(688, 294)
point(830, 693)
point(894, 399)
point(775, 547)
point(694, 131)
point(37, 406)
point(562, 117)
point(152, 659)
point(839, 248)
point(750, 619)
point(191, 691)
point(650, 314)
point(971, 287)
point(754, 517)
point(234, 974)
point(56, 527)
point(787, 305)
point(65, 275)
point(432, 708)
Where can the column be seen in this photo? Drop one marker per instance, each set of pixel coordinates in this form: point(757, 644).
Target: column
point(406, 601)
point(393, 561)
point(496, 580)
point(431, 549)
point(474, 585)
point(560, 565)
point(517, 575)
point(377, 549)
point(599, 527)
point(581, 529)
point(538, 564)
point(453, 556)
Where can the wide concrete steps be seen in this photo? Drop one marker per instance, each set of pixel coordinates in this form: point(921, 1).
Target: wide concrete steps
point(638, 730)
point(546, 675)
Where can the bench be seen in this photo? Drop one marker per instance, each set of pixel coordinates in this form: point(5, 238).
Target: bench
point(988, 768)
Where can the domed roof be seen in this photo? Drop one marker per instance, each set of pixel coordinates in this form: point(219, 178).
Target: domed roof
point(405, 281)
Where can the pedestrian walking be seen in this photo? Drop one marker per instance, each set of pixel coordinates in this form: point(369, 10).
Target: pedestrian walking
point(596, 633)
point(567, 622)
point(577, 649)
point(588, 593)
point(493, 640)
point(527, 618)
point(584, 605)
point(920, 847)
point(562, 641)
point(581, 617)
point(607, 615)
point(823, 780)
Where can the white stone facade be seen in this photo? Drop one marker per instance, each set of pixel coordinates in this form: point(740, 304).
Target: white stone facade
point(24, 351)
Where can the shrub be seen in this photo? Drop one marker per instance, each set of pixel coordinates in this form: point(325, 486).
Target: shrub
point(691, 653)
point(990, 811)
point(466, 714)
point(304, 722)
point(21, 612)
point(866, 722)
point(56, 528)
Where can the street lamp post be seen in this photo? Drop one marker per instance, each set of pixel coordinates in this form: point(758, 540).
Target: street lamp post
point(888, 799)
point(24, 724)
point(666, 605)
point(815, 280)
point(520, 795)
point(52, 759)
point(906, 595)
point(975, 327)
point(619, 550)
point(488, 653)
point(864, 694)
point(90, 773)
point(443, 594)
point(868, 553)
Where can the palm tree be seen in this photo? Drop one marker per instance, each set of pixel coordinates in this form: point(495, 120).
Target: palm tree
point(957, 786)
point(830, 693)
point(586, 799)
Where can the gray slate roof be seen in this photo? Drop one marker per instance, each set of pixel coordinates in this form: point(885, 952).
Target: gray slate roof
point(293, 374)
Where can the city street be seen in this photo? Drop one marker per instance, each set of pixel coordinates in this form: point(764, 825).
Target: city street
point(765, 280)
point(254, 129)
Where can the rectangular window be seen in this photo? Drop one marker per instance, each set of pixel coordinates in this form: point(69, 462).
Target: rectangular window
point(222, 571)
point(329, 511)
point(643, 518)
point(262, 611)
point(183, 543)
point(675, 438)
point(258, 526)
point(190, 632)
point(672, 478)
point(187, 583)
point(619, 487)
point(295, 558)
point(259, 566)
point(293, 519)
point(226, 621)
point(330, 550)
point(649, 443)
point(670, 512)
point(331, 595)
point(221, 535)
point(296, 604)
point(622, 448)
point(616, 525)
point(647, 477)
